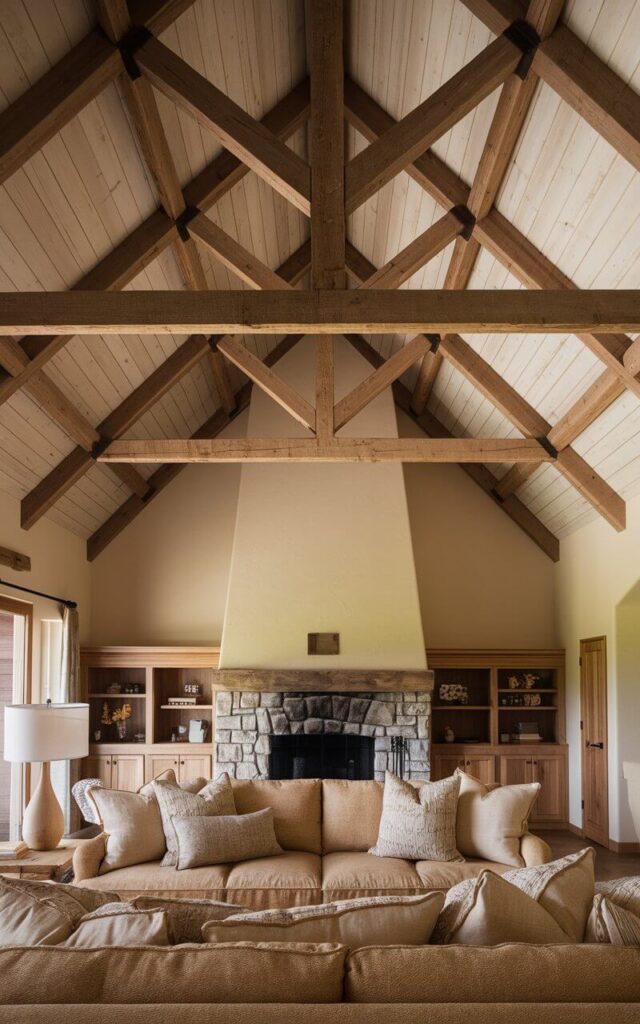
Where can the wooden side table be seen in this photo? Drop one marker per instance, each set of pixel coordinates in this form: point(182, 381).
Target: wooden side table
point(42, 864)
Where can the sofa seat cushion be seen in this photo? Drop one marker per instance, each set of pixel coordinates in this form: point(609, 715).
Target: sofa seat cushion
point(347, 876)
point(290, 879)
point(511, 973)
point(153, 880)
point(244, 972)
point(435, 874)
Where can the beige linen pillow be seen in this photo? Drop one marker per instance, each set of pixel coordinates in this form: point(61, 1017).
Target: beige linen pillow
point(492, 820)
point(487, 911)
point(224, 839)
point(215, 798)
point(609, 922)
point(386, 920)
point(186, 917)
point(37, 913)
point(133, 825)
point(564, 887)
point(625, 892)
point(119, 924)
point(418, 824)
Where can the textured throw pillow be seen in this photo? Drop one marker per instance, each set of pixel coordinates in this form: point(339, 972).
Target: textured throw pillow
point(492, 820)
point(609, 922)
point(487, 911)
point(625, 892)
point(224, 839)
point(564, 887)
point(120, 924)
point(133, 825)
point(418, 824)
point(34, 914)
point(380, 920)
point(216, 798)
point(186, 917)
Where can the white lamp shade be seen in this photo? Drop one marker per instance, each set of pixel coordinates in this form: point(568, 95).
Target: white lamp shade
point(46, 732)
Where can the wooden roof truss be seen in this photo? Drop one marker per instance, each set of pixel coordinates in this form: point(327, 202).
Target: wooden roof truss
point(531, 44)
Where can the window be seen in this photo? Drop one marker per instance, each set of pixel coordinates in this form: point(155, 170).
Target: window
point(15, 688)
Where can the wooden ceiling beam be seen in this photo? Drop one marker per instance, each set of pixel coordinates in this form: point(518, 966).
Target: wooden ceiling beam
point(338, 449)
point(233, 256)
point(583, 81)
point(401, 144)
point(273, 385)
point(248, 139)
point(321, 312)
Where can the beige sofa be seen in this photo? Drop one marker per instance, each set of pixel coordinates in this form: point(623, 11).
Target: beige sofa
point(245, 983)
point(325, 828)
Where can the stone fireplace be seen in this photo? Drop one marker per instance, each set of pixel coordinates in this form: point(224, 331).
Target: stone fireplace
point(246, 721)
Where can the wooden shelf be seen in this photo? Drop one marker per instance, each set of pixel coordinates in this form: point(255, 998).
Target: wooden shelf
point(117, 696)
point(509, 689)
point(461, 707)
point(524, 707)
point(186, 707)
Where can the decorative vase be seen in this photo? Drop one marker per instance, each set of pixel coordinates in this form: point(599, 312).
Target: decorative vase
point(122, 730)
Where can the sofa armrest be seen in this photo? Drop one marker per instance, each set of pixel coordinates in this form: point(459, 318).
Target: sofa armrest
point(88, 857)
point(534, 850)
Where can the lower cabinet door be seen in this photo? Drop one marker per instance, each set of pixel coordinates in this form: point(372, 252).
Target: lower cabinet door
point(515, 769)
point(156, 764)
point(483, 768)
point(98, 767)
point(127, 772)
point(194, 766)
point(550, 773)
point(445, 765)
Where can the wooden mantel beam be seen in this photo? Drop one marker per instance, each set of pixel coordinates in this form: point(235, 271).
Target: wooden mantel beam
point(322, 312)
point(338, 449)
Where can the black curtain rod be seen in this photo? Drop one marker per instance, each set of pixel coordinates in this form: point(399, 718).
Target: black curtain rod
point(39, 593)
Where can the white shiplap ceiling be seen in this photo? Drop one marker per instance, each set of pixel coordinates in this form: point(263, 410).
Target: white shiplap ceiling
point(567, 190)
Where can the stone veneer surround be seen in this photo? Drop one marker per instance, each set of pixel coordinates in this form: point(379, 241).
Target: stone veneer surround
point(246, 720)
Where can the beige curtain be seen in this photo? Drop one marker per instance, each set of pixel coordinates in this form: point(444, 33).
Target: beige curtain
point(70, 693)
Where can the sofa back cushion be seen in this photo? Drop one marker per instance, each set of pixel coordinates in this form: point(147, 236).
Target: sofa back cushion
point(512, 973)
point(226, 973)
point(351, 814)
point(297, 809)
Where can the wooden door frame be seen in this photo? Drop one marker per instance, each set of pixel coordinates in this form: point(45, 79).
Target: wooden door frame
point(24, 609)
point(591, 640)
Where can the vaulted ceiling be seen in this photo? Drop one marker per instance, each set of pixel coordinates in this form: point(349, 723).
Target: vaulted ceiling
point(550, 174)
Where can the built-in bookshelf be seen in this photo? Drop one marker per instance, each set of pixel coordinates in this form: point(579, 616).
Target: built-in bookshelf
point(508, 722)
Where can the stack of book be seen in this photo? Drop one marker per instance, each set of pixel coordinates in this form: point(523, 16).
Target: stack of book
point(526, 732)
point(13, 851)
point(182, 702)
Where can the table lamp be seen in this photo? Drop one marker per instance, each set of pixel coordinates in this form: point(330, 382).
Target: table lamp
point(45, 732)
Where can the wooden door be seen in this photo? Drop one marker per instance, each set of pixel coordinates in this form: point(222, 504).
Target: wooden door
point(550, 773)
point(127, 772)
point(98, 767)
point(155, 764)
point(194, 766)
point(593, 709)
point(483, 768)
point(515, 769)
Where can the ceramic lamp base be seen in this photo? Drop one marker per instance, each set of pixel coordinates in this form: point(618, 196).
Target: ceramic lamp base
point(43, 822)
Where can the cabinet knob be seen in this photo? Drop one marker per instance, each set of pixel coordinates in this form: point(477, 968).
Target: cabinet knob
point(182, 762)
point(114, 762)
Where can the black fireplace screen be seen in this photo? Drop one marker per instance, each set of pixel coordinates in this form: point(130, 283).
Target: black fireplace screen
point(321, 757)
